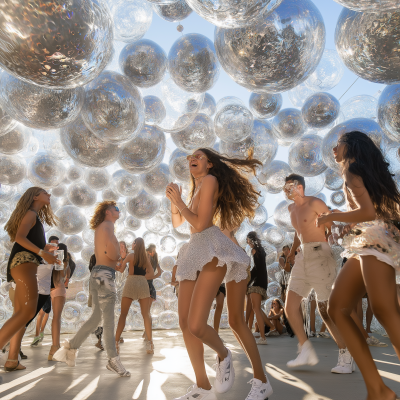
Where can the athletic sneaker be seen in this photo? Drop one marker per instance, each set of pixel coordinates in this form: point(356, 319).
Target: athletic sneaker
point(41, 335)
point(261, 341)
point(259, 390)
point(345, 363)
point(312, 334)
point(36, 340)
point(66, 354)
point(256, 334)
point(324, 335)
point(373, 341)
point(306, 356)
point(225, 373)
point(273, 333)
point(196, 393)
point(115, 365)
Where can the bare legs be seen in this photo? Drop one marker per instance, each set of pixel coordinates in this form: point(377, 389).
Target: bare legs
point(235, 295)
point(256, 305)
point(125, 305)
point(218, 310)
point(57, 305)
point(41, 322)
point(145, 305)
point(379, 280)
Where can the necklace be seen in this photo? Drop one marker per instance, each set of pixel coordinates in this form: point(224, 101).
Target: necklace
point(199, 177)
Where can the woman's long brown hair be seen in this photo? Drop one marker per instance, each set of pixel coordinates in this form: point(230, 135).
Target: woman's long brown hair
point(237, 198)
point(140, 256)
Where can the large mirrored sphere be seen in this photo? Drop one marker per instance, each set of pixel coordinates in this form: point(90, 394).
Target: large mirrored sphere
point(59, 191)
point(110, 194)
point(276, 53)
point(75, 173)
point(273, 175)
point(143, 62)
point(392, 156)
point(299, 94)
point(58, 44)
point(39, 107)
point(233, 121)
point(328, 74)
point(86, 148)
point(200, 133)
point(193, 64)
point(126, 183)
point(132, 223)
point(71, 220)
point(338, 198)
point(320, 110)
point(74, 243)
point(168, 244)
point(367, 126)
point(143, 206)
point(45, 171)
point(282, 217)
point(288, 125)
point(81, 195)
point(15, 141)
point(6, 121)
point(370, 5)
point(314, 184)
point(209, 106)
point(305, 156)
point(389, 111)
point(154, 224)
point(144, 152)
point(362, 106)
point(261, 141)
point(265, 105)
point(260, 217)
point(167, 263)
point(179, 165)
point(233, 14)
point(369, 44)
point(274, 235)
point(97, 178)
point(132, 19)
point(333, 179)
point(12, 169)
point(114, 108)
point(154, 110)
point(156, 180)
point(173, 12)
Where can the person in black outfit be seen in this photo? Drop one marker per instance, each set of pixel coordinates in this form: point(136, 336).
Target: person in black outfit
point(257, 288)
point(153, 257)
point(25, 229)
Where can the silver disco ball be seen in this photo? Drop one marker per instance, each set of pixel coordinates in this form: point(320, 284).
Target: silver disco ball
point(209, 106)
point(74, 243)
point(389, 111)
point(179, 166)
point(154, 110)
point(320, 110)
point(81, 195)
point(167, 263)
point(273, 175)
point(333, 179)
point(338, 198)
point(143, 62)
point(168, 244)
point(173, 12)
point(193, 64)
point(144, 152)
point(97, 178)
point(288, 125)
point(55, 44)
point(45, 171)
point(15, 141)
point(276, 53)
point(71, 220)
point(155, 181)
point(12, 169)
point(305, 156)
point(369, 44)
point(154, 224)
point(282, 217)
point(132, 223)
point(114, 108)
point(143, 205)
point(126, 183)
point(274, 236)
point(265, 105)
point(314, 184)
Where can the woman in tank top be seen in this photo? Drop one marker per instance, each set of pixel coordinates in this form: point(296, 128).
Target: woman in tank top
point(136, 288)
point(25, 229)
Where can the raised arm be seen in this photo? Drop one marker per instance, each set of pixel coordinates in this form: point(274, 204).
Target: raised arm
point(176, 217)
point(159, 272)
point(126, 260)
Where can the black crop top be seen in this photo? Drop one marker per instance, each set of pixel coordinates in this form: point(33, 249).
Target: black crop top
point(138, 271)
point(259, 275)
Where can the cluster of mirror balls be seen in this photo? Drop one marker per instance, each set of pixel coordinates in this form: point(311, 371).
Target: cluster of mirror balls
point(86, 111)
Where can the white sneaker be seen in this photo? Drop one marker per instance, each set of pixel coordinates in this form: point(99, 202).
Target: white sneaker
point(272, 333)
point(259, 390)
point(373, 341)
point(306, 356)
point(196, 393)
point(261, 341)
point(324, 335)
point(225, 373)
point(115, 365)
point(312, 334)
point(256, 334)
point(345, 363)
point(66, 354)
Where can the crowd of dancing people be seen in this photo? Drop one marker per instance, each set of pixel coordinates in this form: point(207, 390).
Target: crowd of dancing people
point(213, 267)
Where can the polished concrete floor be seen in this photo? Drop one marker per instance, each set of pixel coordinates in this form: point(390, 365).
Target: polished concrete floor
point(168, 374)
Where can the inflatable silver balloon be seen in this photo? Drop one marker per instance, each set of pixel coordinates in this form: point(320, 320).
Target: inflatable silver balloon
point(155, 181)
point(168, 245)
point(333, 179)
point(338, 198)
point(114, 108)
point(370, 5)
point(300, 94)
point(274, 235)
point(193, 64)
point(131, 18)
point(154, 224)
point(271, 56)
point(55, 44)
point(305, 156)
point(273, 175)
point(144, 152)
point(288, 125)
point(6, 122)
point(81, 195)
point(110, 194)
point(143, 62)
point(143, 206)
point(362, 106)
point(320, 110)
point(367, 126)
point(12, 169)
point(200, 133)
point(369, 44)
point(75, 173)
point(314, 184)
point(74, 243)
point(154, 110)
point(71, 220)
point(282, 217)
point(132, 223)
point(97, 178)
point(15, 141)
point(179, 166)
point(260, 217)
point(209, 106)
point(45, 171)
point(173, 12)
point(328, 74)
point(265, 105)
point(389, 111)
point(86, 148)
point(233, 122)
point(126, 183)
point(392, 156)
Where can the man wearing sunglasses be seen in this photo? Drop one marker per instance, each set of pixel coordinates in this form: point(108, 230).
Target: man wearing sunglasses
point(314, 268)
point(102, 289)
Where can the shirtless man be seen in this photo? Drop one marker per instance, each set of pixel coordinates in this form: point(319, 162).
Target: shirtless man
point(102, 289)
point(314, 268)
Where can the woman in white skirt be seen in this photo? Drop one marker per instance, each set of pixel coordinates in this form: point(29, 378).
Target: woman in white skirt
point(221, 194)
point(372, 246)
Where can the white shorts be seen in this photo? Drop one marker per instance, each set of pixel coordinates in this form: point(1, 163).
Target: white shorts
point(314, 268)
